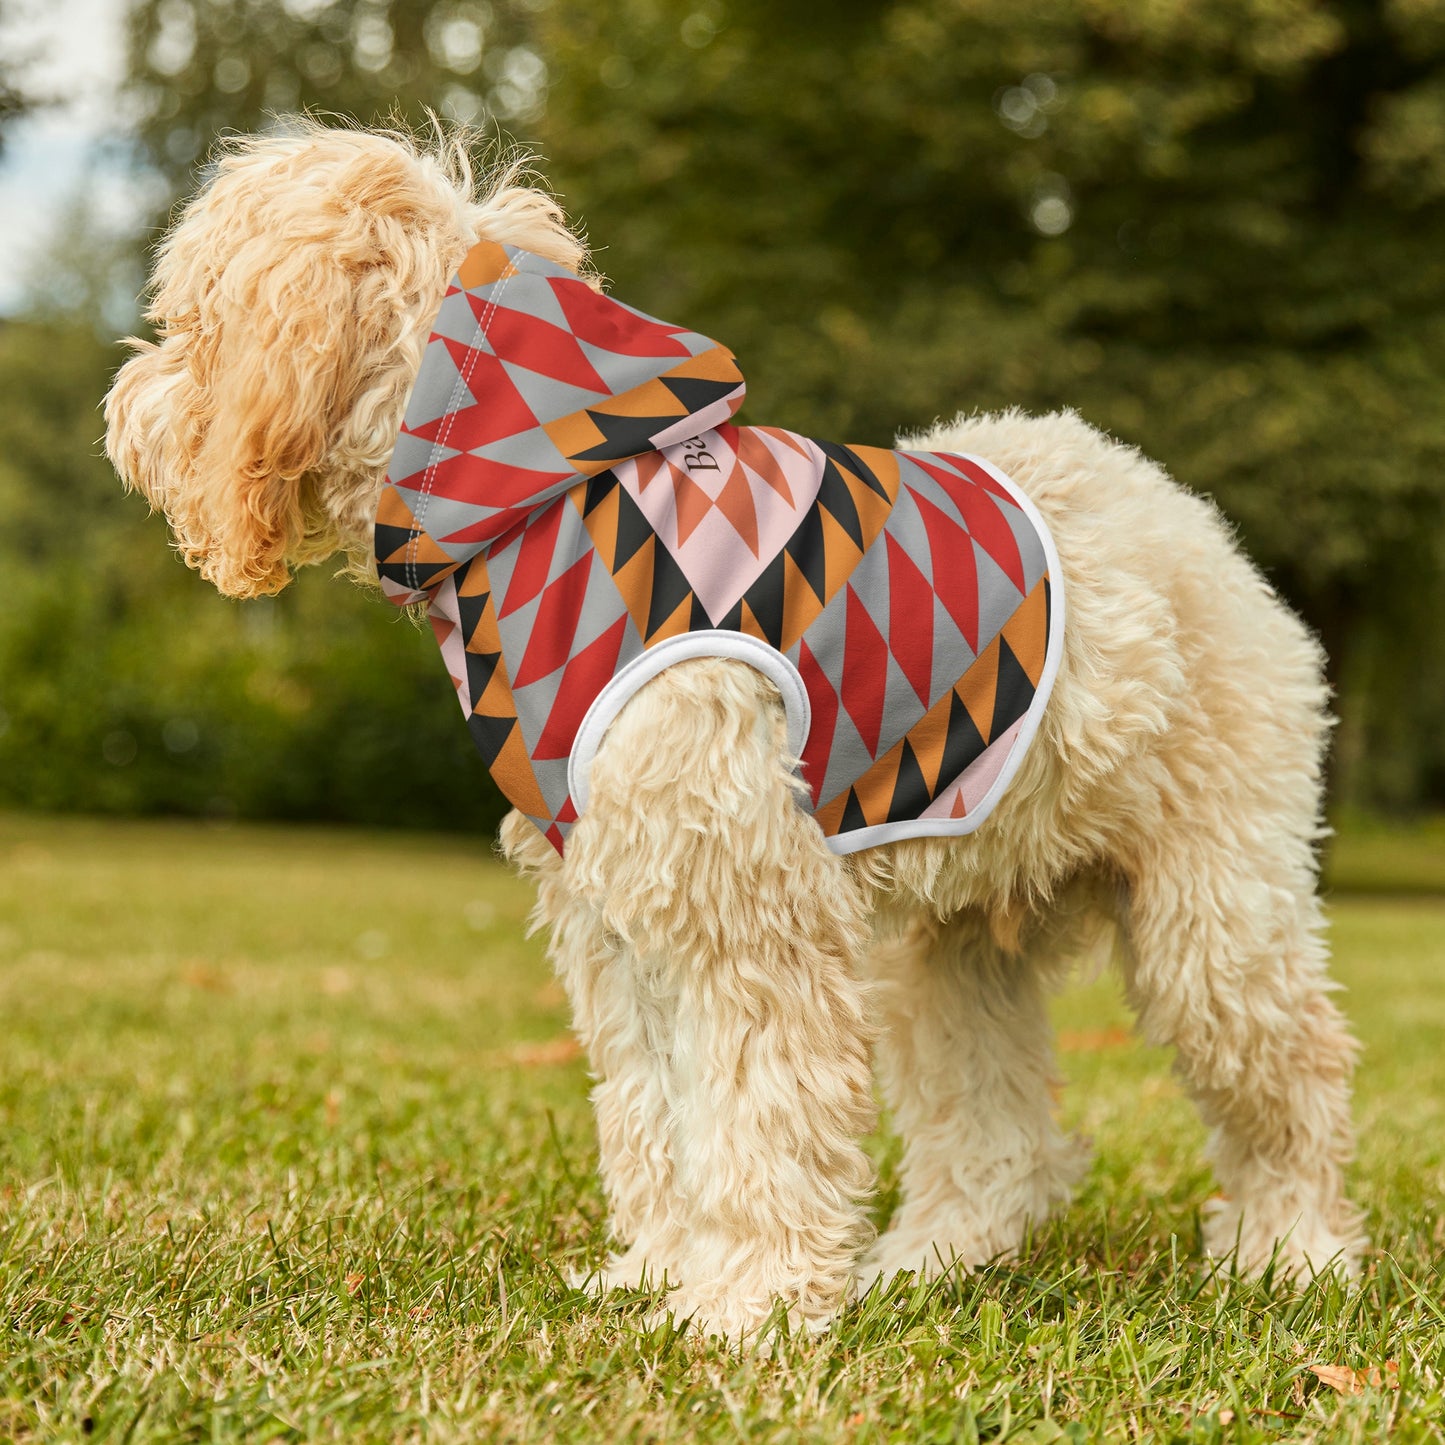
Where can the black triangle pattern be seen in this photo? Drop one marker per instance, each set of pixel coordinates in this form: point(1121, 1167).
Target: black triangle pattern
point(490, 734)
point(963, 745)
point(669, 588)
point(622, 436)
point(696, 392)
point(910, 792)
point(480, 667)
point(833, 494)
point(853, 816)
point(1013, 693)
point(765, 597)
point(807, 548)
point(390, 540)
point(633, 528)
point(850, 461)
point(470, 608)
point(596, 493)
point(419, 575)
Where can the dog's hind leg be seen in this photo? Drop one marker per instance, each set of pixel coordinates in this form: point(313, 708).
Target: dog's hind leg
point(695, 854)
point(966, 1059)
point(1228, 966)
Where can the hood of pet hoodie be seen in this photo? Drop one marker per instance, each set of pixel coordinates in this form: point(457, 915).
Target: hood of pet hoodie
point(532, 382)
point(569, 498)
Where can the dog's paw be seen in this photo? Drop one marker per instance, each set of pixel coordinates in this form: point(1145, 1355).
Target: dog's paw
point(926, 1255)
point(1298, 1245)
point(964, 1229)
point(740, 1323)
point(631, 1271)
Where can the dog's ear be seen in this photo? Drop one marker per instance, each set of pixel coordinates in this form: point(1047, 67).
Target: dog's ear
point(225, 423)
point(291, 301)
point(274, 362)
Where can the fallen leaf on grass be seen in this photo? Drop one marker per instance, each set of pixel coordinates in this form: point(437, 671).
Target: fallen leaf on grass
point(197, 973)
point(354, 1283)
point(1092, 1041)
point(1345, 1381)
point(561, 1050)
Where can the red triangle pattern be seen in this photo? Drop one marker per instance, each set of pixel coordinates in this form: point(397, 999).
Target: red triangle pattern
point(534, 558)
point(586, 675)
point(824, 703)
point(910, 619)
point(505, 414)
point(865, 672)
point(955, 573)
point(600, 320)
point(550, 644)
point(985, 522)
point(465, 478)
point(549, 349)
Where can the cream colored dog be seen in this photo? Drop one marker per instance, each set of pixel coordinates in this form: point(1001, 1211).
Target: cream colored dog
point(729, 976)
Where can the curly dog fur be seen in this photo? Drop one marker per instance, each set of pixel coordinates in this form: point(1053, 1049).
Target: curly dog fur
point(732, 979)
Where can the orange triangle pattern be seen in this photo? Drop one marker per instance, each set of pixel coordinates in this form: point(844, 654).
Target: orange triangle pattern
point(954, 734)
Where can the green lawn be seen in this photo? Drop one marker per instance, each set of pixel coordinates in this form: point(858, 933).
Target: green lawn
point(292, 1146)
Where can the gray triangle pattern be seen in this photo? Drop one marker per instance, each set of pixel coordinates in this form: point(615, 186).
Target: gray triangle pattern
point(515, 628)
point(438, 388)
point(938, 495)
point(458, 322)
point(1031, 549)
point(573, 541)
point(548, 397)
point(998, 598)
point(901, 709)
point(906, 526)
point(501, 563)
point(532, 449)
point(621, 373)
point(848, 761)
point(442, 517)
point(413, 454)
point(535, 300)
point(870, 581)
point(601, 608)
point(826, 636)
point(952, 656)
point(551, 775)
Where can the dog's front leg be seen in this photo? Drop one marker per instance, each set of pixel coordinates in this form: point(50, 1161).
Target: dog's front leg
point(622, 1013)
point(742, 930)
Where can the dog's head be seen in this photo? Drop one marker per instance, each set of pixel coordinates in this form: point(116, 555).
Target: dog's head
point(292, 301)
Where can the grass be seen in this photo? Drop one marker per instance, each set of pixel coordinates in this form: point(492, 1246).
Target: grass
point(1368, 855)
point(293, 1146)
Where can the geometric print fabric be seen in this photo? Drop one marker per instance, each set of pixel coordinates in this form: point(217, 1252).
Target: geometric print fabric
point(568, 493)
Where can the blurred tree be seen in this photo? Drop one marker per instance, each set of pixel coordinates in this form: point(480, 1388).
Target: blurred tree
point(202, 67)
point(1216, 227)
point(127, 685)
point(14, 99)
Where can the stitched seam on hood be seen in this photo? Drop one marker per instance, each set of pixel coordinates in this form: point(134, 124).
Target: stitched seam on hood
point(463, 383)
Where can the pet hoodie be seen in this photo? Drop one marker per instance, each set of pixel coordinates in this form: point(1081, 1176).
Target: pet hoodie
point(573, 504)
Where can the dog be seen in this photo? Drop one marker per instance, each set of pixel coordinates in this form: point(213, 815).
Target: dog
point(733, 973)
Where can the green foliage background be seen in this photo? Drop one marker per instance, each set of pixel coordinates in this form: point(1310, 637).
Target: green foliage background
point(1214, 227)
